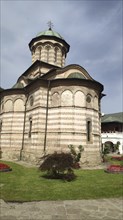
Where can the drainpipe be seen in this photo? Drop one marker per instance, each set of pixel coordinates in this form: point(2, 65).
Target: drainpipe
point(22, 147)
point(47, 105)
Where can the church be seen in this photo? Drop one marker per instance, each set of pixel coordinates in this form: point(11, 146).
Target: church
point(51, 106)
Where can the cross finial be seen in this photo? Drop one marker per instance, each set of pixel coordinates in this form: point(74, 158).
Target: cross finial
point(50, 25)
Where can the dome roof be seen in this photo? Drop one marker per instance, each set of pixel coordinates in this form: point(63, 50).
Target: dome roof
point(76, 75)
point(49, 32)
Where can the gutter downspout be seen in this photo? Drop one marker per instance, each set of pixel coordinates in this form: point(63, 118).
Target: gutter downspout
point(21, 150)
point(45, 135)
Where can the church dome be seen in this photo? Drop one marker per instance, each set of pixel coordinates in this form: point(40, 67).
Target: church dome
point(50, 33)
point(76, 75)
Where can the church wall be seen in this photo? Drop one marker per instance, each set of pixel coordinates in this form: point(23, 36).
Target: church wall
point(12, 117)
point(69, 109)
point(35, 122)
point(68, 114)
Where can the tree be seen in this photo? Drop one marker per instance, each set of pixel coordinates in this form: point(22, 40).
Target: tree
point(58, 166)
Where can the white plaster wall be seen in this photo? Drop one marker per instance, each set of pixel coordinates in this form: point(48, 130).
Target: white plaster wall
point(114, 138)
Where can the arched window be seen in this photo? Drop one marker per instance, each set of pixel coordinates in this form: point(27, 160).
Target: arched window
point(56, 54)
point(0, 125)
point(89, 127)
point(30, 127)
point(39, 52)
point(47, 53)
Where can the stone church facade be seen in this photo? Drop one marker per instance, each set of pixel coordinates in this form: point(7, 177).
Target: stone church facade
point(51, 106)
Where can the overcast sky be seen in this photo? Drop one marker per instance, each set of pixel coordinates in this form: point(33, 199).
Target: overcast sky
point(93, 28)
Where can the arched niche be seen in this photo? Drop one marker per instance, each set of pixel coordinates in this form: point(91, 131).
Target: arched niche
point(55, 99)
point(19, 105)
point(8, 106)
point(96, 102)
point(38, 52)
point(79, 99)
point(67, 98)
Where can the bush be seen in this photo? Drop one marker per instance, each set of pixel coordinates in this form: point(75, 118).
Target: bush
point(58, 166)
point(76, 155)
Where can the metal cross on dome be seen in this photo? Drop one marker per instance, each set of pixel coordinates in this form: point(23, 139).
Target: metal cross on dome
point(50, 25)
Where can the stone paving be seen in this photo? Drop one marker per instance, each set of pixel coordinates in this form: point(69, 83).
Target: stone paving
point(101, 209)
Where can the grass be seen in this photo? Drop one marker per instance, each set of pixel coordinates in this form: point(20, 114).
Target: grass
point(28, 184)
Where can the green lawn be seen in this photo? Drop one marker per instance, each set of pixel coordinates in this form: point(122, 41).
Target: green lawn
point(28, 184)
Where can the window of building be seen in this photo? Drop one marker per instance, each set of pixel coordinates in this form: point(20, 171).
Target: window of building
point(39, 52)
point(56, 54)
point(0, 125)
point(88, 130)
point(88, 98)
point(30, 127)
point(48, 53)
point(31, 100)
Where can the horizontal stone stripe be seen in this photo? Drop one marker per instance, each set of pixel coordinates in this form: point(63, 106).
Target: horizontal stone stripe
point(10, 117)
point(5, 133)
point(15, 122)
point(8, 136)
point(37, 111)
point(36, 129)
point(11, 140)
point(12, 130)
point(71, 112)
point(65, 116)
point(68, 142)
point(67, 134)
point(10, 144)
point(67, 129)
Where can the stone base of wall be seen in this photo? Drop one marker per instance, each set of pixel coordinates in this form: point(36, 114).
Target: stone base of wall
point(88, 158)
point(10, 154)
point(32, 156)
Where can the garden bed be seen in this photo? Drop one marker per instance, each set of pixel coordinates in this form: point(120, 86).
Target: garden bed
point(117, 158)
point(4, 167)
point(114, 169)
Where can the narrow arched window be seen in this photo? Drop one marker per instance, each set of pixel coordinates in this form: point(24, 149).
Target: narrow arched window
point(89, 130)
point(40, 50)
point(30, 127)
point(0, 125)
point(47, 53)
point(56, 54)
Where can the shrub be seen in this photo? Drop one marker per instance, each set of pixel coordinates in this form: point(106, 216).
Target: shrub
point(58, 166)
point(76, 154)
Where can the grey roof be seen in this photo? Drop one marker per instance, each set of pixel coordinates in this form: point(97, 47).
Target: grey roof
point(114, 117)
point(18, 85)
point(1, 89)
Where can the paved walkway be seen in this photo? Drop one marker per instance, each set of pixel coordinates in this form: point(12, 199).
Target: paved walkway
point(102, 209)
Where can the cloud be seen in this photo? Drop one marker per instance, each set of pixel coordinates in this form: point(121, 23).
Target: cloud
point(92, 28)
